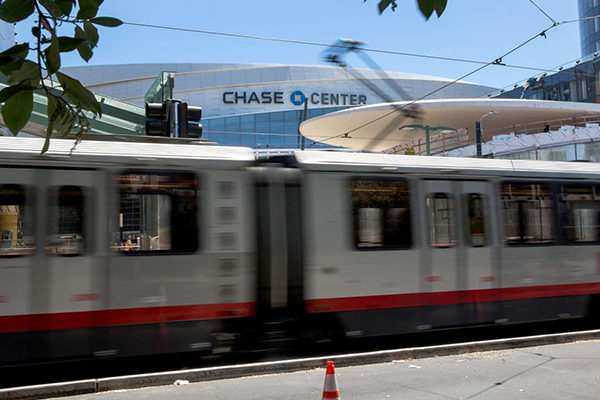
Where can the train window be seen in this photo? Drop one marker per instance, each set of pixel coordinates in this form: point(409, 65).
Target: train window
point(580, 213)
point(528, 213)
point(442, 224)
point(381, 214)
point(16, 221)
point(476, 236)
point(66, 211)
point(158, 212)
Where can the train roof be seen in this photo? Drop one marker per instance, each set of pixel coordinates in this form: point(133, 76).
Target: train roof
point(114, 151)
point(322, 160)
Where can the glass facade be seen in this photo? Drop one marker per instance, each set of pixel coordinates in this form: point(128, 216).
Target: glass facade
point(270, 130)
point(589, 30)
point(579, 83)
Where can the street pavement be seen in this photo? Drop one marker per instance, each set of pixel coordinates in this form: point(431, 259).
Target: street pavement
point(564, 371)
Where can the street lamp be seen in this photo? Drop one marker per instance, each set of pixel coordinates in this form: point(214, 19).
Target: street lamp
point(478, 130)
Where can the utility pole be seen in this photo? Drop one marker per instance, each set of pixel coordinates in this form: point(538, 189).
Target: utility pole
point(303, 117)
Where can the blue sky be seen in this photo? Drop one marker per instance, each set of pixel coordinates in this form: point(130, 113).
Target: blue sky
point(474, 29)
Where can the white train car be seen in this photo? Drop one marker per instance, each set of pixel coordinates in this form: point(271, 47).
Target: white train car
point(122, 248)
point(404, 243)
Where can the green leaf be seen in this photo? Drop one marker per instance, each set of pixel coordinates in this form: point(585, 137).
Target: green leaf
point(12, 58)
point(35, 31)
point(383, 4)
point(67, 43)
point(52, 53)
point(84, 48)
point(16, 10)
point(17, 110)
point(87, 9)
point(46, 145)
point(440, 6)
point(52, 8)
point(78, 94)
point(61, 118)
point(7, 67)
point(28, 74)
point(91, 33)
point(10, 91)
point(108, 21)
point(18, 50)
point(65, 6)
point(426, 7)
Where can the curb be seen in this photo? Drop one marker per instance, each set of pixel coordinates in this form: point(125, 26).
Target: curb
point(50, 390)
point(237, 371)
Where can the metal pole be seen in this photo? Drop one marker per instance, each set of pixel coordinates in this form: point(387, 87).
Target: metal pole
point(478, 137)
point(304, 117)
point(427, 140)
point(175, 132)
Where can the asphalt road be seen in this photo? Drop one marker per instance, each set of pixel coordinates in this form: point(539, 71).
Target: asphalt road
point(564, 371)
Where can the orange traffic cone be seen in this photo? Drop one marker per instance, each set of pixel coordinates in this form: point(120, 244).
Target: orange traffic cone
point(330, 389)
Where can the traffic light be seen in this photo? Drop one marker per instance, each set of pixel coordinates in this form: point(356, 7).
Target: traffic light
point(158, 119)
point(188, 119)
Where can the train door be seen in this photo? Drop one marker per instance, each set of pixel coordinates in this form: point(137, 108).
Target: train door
point(69, 263)
point(442, 276)
point(279, 277)
point(17, 256)
point(476, 269)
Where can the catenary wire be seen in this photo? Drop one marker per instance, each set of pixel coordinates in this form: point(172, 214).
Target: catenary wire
point(557, 67)
point(542, 11)
point(310, 43)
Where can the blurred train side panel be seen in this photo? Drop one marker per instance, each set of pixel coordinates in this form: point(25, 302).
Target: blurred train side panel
point(116, 250)
point(130, 249)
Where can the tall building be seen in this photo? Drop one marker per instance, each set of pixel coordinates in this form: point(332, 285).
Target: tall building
point(589, 29)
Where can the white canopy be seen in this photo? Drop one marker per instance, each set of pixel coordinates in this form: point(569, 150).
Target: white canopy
point(378, 127)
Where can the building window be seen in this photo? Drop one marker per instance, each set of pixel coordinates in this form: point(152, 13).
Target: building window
point(442, 220)
point(381, 213)
point(66, 215)
point(580, 213)
point(158, 212)
point(16, 221)
point(528, 213)
point(476, 220)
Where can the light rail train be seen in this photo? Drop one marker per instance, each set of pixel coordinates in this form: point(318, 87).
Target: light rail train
point(117, 249)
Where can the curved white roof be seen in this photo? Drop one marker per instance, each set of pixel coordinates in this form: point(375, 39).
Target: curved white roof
point(378, 127)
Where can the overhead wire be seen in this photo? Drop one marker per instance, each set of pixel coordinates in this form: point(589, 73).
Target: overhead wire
point(542, 11)
point(327, 45)
point(558, 67)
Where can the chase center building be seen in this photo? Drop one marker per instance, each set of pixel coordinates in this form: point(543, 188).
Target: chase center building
point(258, 105)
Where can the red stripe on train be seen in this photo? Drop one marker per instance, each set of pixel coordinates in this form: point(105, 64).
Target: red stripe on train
point(441, 298)
point(126, 316)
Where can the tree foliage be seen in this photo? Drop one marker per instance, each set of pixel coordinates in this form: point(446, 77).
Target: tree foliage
point(427, 7)
point(33, 66)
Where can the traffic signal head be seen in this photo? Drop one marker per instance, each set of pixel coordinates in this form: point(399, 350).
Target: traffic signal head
point(158, 119)
point(189, 121)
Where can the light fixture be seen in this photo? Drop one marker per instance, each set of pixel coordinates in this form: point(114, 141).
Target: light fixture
point(577, 62)
point(560, 68)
